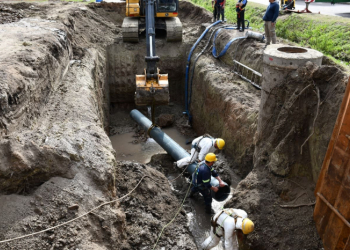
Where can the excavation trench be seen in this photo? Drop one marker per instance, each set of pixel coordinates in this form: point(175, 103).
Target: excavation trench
point(65, 95)
point(150, 153)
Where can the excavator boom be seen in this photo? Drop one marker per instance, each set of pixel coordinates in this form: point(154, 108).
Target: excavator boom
point(152, 88)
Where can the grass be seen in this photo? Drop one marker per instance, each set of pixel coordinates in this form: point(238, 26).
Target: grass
point(327, 34)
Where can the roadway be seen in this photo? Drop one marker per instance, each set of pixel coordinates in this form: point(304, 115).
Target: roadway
point(338, 9)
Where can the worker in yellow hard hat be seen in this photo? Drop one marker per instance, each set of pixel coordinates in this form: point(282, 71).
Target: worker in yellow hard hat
point(227, 223)
point(201, 146)
point(201, 180)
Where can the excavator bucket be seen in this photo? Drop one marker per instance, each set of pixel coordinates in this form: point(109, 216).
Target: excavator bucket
point(152, 91)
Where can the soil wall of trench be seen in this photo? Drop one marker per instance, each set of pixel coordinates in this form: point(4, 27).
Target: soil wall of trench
point(56, 160)
point(125, 60)
point(279, 163)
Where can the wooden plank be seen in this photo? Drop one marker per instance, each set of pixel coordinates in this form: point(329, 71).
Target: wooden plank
point(333, 187)
point(336, 130)
point(342, 205)
point(334, 210)
point(347, 245)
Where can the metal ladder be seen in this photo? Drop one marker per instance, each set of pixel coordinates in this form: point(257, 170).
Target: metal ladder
point(247, 74)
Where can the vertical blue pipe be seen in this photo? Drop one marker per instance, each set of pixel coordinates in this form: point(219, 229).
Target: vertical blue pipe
point(188, 65)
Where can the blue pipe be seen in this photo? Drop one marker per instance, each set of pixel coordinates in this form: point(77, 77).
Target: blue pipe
point(175, 150)
point(223, 52)
point(188, 67)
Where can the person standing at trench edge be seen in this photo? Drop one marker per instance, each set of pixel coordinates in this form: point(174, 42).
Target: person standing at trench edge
point(201, 178)
point(214, 10)
point(270, 21)
point(240, 9)
point(219, 6)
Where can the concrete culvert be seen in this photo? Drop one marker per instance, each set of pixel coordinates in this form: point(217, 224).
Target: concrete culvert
point(67, 86)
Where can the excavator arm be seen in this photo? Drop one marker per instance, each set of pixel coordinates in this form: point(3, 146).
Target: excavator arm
point(152, 88)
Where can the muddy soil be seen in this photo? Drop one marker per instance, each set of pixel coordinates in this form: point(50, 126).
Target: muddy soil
point(59, 64)
point(278, 193)
point(57, 161)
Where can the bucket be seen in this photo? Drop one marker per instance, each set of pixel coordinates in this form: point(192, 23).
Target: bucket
point(222, 194)
point(255, 35)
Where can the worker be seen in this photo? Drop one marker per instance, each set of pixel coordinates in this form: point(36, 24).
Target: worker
point(201, 180)
point(240, 9)
point(219, 5)
point(227, 223)
point(201, 146)
point(214, 10)
point(270, 21)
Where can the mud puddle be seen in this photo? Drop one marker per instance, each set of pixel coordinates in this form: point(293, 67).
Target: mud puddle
point(128, 148)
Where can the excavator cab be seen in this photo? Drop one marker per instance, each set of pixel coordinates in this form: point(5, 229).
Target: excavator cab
point(150, 16)
point(166, 6)
point(165, 15)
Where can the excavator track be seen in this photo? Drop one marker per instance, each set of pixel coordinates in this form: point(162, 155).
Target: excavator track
point(130, 29)
point(173, 29)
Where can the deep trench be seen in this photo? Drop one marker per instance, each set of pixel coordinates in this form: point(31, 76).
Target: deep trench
point(120, 76)
point(141, 151)
point(82, 166)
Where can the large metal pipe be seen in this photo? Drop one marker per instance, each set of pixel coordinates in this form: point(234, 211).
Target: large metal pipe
point(175, 150)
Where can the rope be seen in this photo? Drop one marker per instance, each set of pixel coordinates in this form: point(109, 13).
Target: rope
point(190, 162)
point(67, 222)
point(178, 211)
point(189, 188)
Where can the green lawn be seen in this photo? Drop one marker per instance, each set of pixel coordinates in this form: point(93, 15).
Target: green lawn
point(328, 34)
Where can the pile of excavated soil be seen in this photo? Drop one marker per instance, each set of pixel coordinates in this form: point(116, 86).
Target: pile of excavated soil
point(56, 160)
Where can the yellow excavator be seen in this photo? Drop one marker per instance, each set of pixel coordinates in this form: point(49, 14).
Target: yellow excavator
point(149, 16)
point(165, 14)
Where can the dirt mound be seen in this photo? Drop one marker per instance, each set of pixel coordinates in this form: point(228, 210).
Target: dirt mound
point(131, 223)
point(9, 14)
point(149, 208)
point(278, 193)
point(55, 153)
point(189, 14)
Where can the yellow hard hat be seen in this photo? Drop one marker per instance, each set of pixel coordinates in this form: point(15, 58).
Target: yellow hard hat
point(210, 157)
point(247, 226)
point(220, 143)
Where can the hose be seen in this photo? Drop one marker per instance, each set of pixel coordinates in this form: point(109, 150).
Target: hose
point(195, 61)
point(188, 67)
point(189, 95)
point(223, 52)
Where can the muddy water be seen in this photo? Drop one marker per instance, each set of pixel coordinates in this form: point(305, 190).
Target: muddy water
point(198, 221)
point(128, 149)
